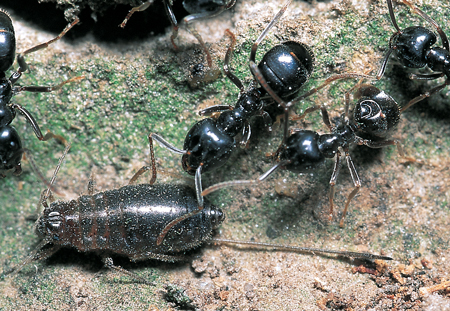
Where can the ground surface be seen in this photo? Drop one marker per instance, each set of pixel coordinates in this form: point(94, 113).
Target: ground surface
point(134, 87)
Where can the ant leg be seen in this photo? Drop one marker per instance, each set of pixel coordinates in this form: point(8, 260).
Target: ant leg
point(143, 169)
point(200, 40)
point(425, 95)
point(350, 75)
point(20, 57)
point(144, 6)
point(334, 175)
point(150, 255)
point(226, 63)
point(198, 191)
point(173, 21)
point(356, 181)
point(266, 30)
point(35, 126)
point(325, 116)
point(431, 21)
point(418, 76)
point(234, 183)
point(41, 89)
point(384, 143)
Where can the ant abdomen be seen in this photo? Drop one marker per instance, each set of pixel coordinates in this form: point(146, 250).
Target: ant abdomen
point(412, 46)
point(287, 66)
point(376, 113)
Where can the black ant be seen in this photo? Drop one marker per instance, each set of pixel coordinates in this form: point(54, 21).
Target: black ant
point(198, 10)
point(11, 150)
point(376, 114)
point(211, 141)
point(413, 48)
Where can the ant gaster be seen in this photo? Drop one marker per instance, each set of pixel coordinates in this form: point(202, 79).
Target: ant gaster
point(10, 144)
point(128, 221)
point(198, 10)
point(413, 47)
point(211, 141)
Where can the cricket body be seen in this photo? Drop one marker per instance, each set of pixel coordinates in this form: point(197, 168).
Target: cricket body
point(127, 221)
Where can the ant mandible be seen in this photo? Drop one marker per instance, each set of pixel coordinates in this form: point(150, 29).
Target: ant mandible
point(413, 48)
point(197, 9)
point(11, 150)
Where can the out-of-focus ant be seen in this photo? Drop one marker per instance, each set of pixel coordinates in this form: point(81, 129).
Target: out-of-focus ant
point(11, 150)
point(197, 9)
point(413, 48)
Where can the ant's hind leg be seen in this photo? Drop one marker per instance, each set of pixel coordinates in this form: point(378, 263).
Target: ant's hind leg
point(334, 176)
point(356, 182)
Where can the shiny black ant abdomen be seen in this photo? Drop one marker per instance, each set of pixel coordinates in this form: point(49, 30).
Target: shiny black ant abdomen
point(11, 150)
point(198, 10)
point(413, 47)
point(287, 67)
